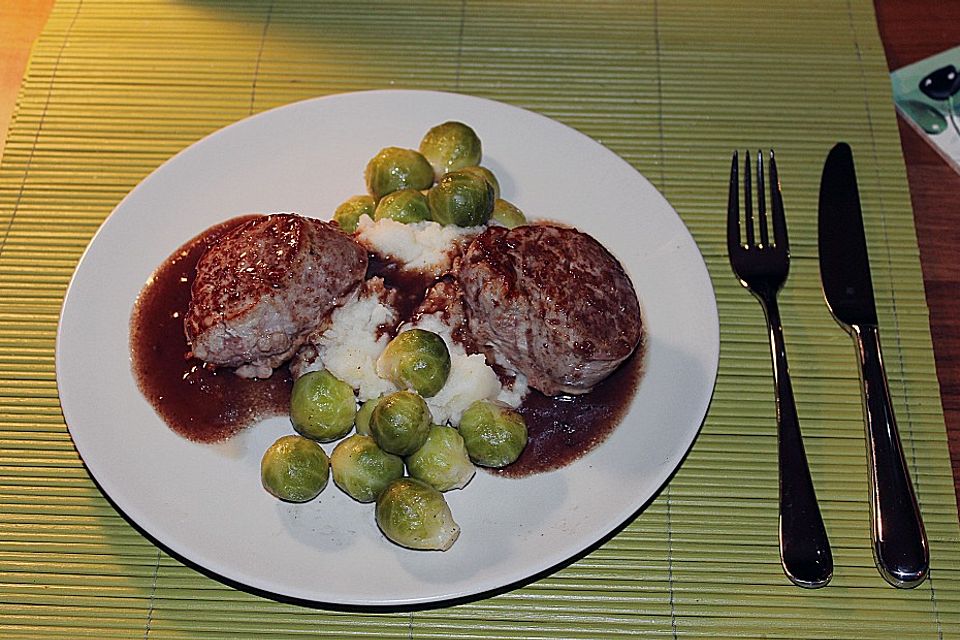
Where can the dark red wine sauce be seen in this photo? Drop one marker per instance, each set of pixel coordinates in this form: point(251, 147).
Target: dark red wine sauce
point(563, 428)
point(207, 404)
point(198, 402)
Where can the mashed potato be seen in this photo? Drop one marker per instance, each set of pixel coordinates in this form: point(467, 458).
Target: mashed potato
point(470, 378)
point(421, 246)
point(350, 347)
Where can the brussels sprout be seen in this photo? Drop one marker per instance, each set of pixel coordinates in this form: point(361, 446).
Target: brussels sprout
point(348, 213)
point(461, 198)
point(495, 435)
point(450, 146)
point(507, 214)
point(416, 359)
point(405, 205)
point(442, 461)
point(294, 469)
point(394, 168)
point(413, 514)
point(400, 423)
point(362, 469)
point(321, 406)
point(363, 416)
point(487, 175)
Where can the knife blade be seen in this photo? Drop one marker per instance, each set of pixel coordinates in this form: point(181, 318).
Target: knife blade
point(899, 541)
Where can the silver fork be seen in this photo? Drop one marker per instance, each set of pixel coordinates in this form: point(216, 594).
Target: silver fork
point(762, 268)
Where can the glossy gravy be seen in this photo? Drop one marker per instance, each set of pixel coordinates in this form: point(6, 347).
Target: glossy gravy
point(206, 404)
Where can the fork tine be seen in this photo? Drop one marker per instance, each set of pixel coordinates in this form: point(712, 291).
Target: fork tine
point(733, 207)
point(748, 201)
point(776, 202)
point(762, 202)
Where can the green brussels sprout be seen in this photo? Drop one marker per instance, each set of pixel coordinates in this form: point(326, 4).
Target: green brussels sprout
point(294, 469)
point(363, 416)
point(507, 214)
point(321, 406)
point(348, 213)
point(450, 146)
point(394, 168)
point(495, 435)
point(416, 359)
point(413, 514)
point(487, 175)
point(461, 198)
point(362, 469)
point(405, 205)
point(400, 423)
point(442, 461)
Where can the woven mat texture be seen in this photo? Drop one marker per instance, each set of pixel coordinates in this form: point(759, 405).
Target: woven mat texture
point(115, 88)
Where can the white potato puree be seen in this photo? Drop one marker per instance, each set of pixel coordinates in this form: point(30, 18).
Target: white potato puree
point(350, 347)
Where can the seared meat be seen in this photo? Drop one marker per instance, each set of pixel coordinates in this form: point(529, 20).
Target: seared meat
point(550, 302)
point(445, 300)
point(264, 286)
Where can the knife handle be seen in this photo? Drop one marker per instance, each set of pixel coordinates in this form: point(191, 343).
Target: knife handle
point(804, 547)
point(899, 540)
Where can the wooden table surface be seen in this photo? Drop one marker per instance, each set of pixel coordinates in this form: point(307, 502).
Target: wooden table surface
point(20, 23)
point(910, 30)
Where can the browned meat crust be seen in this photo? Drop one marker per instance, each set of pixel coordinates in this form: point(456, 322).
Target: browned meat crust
point(550, 302)
point(264, 286)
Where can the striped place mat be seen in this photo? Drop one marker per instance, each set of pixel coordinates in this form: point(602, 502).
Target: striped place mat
point(115, 87)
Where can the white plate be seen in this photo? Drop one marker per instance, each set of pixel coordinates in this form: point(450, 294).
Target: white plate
point(205, 502)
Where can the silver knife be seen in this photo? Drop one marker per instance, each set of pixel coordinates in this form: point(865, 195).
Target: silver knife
point(899, 541)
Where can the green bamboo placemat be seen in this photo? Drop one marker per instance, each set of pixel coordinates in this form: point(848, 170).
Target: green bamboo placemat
point(115, 87)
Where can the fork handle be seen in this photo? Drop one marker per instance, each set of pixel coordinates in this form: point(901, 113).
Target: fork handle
point(804, 547)
point(899, 541)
